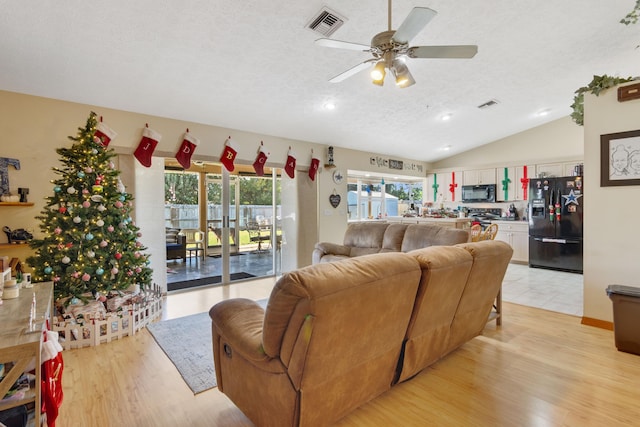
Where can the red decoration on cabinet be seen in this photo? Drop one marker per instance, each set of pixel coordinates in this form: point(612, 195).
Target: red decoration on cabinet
point(452, 186)
point(525, 182)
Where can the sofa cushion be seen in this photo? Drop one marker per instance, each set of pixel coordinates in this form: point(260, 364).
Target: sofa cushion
point(172, 235)
point(419, 236)
point(392, 239)
point(365, 235)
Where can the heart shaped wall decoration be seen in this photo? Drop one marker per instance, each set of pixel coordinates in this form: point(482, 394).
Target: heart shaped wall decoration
point(334, 199)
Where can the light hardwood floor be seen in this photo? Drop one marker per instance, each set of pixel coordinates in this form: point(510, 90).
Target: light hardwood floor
point(540, 368)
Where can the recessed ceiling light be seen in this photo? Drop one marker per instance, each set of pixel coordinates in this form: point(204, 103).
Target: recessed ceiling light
point(445, 148)
point(446, 117)
point(329, 106)
point(544, 112)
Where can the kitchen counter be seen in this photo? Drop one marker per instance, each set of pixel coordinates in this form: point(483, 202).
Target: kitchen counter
point(444, 222)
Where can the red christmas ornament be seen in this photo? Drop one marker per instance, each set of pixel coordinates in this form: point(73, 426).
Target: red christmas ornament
point(118, 255)
point(62, 209)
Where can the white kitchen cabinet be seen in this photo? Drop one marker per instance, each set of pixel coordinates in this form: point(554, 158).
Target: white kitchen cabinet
point(515, 190)
point(516, 234)
point(444, 181)
point(557, 169)
point(479, 176)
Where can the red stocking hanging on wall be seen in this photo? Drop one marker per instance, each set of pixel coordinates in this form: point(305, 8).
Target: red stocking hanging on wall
point(290, 166)
point(313, 168)
point(261, 159)
point(188, 146)
point(148, 143)
point(104, 134)
point(229, 155)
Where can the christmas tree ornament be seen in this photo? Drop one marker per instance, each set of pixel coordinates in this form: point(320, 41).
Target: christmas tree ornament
point(147, 145)
point(101, 208)
point(77, 219)
point(75, 301)
point(57, 189)
point(121, 187)
point(71, 190)
point(122, 198)
point(229, 154)
point(86, 277)
point(290, 165)
point(94, 151)
point(99, 223)
point(65, 260)
point(86, 204)
point(187, 147)
point(261, 159)
point(118, 255)
point(88, 236)
point(91, 254)
point(62, 209)
point(57, 230)
point(48, 270)
point(115, 270)
point(110, 229)
point(80, 174)
point(118, 204)
point(99, 271)
point(103, 244)
point(313, 167)
point(68, 245)
point(104, 134)
point(88, 169)
point(75, 274)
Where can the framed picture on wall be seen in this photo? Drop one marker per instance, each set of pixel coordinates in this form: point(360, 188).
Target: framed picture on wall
point(620, 158)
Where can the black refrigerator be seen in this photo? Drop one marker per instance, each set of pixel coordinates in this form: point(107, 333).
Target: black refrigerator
point(555, 223)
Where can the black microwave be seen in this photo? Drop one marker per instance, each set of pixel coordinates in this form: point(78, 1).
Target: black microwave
point(479, 193)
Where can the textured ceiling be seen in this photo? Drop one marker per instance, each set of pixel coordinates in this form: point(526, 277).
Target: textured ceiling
point(252, 65)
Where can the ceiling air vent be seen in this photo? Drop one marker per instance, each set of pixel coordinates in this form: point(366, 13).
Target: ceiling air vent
point(326, 22)
point(488, 104)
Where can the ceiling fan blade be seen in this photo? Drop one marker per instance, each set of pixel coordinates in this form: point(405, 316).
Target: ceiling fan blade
point(417, 19)
point(461, 51)
point(353, 70)
point(342, 45)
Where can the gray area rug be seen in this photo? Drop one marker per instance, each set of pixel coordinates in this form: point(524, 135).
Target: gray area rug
point(187, 343)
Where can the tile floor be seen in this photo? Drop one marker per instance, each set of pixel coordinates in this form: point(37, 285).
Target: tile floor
point(547, 289)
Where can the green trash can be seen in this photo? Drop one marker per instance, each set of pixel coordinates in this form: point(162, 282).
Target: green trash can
point(626, 317)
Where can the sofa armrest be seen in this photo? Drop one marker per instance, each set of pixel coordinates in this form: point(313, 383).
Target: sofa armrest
point(181, 239)
point(333, 248)
point(325, 248)
point(239, 321)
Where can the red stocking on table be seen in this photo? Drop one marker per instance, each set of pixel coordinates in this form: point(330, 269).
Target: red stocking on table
point(228, 155)
point(188, 146)
point(150, 139)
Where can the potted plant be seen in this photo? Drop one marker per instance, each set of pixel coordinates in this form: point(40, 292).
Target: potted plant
point(597, 85)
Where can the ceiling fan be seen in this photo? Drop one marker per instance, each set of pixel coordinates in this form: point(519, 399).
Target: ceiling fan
point(391, 48)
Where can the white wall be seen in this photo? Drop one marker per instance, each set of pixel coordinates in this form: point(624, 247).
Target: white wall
point(612, 236)
point(555, 141)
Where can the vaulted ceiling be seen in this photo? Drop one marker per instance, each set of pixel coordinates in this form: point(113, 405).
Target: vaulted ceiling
point(253, 65)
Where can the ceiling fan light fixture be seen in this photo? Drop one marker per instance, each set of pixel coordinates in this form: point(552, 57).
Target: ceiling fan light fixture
point(402, 74)
point(378, 73)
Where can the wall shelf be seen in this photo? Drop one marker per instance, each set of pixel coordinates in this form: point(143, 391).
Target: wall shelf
point(16, 203)
point(14, 245)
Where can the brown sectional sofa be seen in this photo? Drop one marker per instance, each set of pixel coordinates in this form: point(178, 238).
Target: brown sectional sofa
point(336, 335)
point(366, 238)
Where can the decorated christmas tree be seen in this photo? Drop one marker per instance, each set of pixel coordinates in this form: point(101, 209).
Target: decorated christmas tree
point(90, 242)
